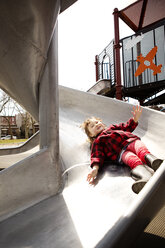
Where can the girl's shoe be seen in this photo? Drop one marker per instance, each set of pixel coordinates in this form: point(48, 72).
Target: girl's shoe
point(137, 186)
point(153, 161)
point(142, 176)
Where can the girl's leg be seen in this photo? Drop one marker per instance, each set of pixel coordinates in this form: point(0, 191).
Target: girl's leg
point(138, 148)
point(138, 172)
point(131, 159)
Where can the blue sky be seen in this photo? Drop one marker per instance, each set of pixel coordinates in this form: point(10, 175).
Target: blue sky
point(85, 29)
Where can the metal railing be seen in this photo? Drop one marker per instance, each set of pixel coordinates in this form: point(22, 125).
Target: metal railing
point(130, 80)
point(151, 38)
point(106, 69)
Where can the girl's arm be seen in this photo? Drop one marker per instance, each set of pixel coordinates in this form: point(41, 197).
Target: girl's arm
point(137, 113)
point(97, 160)
point(132, 123)
point(93, 174)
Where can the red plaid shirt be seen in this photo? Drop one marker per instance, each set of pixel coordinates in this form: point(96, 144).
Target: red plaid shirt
point(109, 143)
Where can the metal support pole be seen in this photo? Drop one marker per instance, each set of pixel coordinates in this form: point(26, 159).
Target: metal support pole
point(96, 66)
point(117, 55)
point(49, 107)
point(138, 47)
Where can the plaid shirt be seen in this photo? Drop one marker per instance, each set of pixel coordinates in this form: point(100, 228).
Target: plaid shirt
point(110, 142)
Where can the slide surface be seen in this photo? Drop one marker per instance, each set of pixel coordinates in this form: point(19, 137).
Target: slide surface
point(92, 216)
point(102, 207)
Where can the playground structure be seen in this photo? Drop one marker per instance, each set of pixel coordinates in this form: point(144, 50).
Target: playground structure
point(149, 28)
point(45, 200)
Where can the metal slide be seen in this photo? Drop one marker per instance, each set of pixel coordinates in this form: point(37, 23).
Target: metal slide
point(109, 213)
point(45, 199)
point(32, 142)
point(8, 155)
point(86, 216)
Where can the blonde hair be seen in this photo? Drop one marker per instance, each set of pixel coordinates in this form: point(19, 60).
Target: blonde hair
point(85, 125)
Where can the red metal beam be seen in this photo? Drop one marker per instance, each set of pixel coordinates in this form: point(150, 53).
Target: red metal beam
point(128, 21)
point(96, 66)
point(117, 55)
point(142, 14)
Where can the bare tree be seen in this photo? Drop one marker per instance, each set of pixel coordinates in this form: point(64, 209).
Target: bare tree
point(33, 122)
point(8, 111)
point(4, 99)
point(9, 108)
point(27, 120)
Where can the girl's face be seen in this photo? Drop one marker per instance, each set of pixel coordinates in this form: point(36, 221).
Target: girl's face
point(95, 127)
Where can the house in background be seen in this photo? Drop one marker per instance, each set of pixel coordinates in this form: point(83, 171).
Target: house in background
point(16, 125)
point(26, 124)
point(8, 125)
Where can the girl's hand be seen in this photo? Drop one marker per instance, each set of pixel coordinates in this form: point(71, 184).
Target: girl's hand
point(92, 175)
point(137, 113)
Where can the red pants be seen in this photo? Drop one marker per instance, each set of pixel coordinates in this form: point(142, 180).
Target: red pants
point(135, 154)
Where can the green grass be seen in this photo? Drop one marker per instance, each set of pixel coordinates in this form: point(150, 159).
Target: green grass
point(12, 141)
